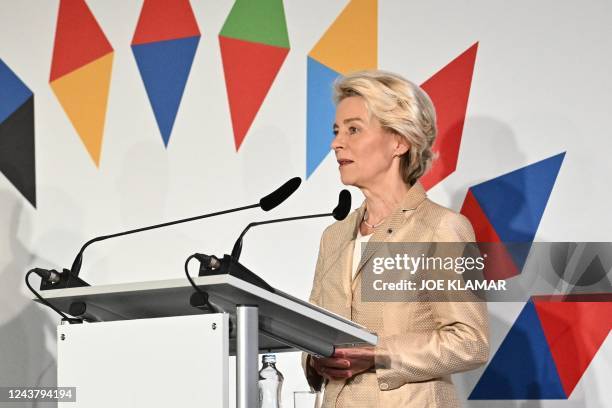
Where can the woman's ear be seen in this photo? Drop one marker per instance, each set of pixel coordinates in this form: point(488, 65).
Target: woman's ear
point(402, 145)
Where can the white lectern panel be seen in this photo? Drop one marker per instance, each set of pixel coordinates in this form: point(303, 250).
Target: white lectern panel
point(179, 361)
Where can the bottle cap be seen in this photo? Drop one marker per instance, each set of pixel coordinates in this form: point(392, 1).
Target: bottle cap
point(269, 358)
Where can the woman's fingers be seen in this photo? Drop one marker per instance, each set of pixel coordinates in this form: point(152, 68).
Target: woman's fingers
point(362, 353)
point(359, 358)
point(353, 362)
point(332, 368)
point(332, 362)
point(333, 373)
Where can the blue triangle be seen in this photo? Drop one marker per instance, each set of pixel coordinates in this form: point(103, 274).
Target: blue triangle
point(515, 202)
point(13, 92)
point(523, 367)
point(320, 113)
point(164, 67)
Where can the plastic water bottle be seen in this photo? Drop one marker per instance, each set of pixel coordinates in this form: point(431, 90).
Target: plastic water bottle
point(270, 383)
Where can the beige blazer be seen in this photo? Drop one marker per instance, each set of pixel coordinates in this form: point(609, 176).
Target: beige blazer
point(420, 343)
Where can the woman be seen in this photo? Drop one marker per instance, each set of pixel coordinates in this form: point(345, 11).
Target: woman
point(384, 129)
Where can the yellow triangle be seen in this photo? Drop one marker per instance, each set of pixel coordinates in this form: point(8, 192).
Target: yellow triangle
point(83, 94)
point(351, 42)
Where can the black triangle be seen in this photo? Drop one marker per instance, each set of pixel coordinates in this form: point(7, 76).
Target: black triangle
point(17, 158)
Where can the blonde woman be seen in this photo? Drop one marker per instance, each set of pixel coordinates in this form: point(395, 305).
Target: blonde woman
point(384, 129)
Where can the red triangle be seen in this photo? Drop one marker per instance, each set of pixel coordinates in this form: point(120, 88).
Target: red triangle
point(449, 90)
point(574, 332)
point(498, 263)
point(79, 39)
point(250, 69)
point(162, 20)
point(483, 229)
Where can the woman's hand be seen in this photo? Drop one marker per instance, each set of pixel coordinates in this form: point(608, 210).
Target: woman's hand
point(345, 363)
point(331, 368)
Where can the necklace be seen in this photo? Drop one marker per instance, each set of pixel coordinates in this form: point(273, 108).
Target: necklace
point(370, 225)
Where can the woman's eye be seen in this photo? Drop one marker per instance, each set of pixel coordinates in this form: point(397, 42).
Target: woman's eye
point(335, 132)
point(353, 130)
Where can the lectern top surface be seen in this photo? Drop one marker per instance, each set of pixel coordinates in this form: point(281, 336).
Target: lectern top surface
point(283, 318)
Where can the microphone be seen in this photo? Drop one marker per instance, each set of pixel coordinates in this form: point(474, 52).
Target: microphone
point(339, 213)
point(275, 198)
point(70, 277)
point(343, 208)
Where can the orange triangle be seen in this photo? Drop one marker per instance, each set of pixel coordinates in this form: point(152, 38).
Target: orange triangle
point(351, 42)
point(83, 94)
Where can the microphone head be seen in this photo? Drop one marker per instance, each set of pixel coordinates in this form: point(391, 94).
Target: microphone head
point(280, 194)
point(344, 205)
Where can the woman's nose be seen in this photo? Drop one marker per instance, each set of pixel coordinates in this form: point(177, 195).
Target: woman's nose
point(337, 142)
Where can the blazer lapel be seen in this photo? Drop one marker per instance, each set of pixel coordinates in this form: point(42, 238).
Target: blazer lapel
point(339, 267)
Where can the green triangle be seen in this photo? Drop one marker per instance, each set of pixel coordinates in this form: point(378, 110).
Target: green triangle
point(260, 21)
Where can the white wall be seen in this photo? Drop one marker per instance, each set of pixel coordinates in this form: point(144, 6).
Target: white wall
point(541, 86)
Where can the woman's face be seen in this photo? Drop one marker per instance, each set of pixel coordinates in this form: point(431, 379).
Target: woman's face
point(365, 151)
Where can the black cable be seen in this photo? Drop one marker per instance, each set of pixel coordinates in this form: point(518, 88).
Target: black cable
point(197, 289)
point(46, 302)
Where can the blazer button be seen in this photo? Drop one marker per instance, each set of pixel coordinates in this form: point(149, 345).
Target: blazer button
point(384, 386)
point(389, 231)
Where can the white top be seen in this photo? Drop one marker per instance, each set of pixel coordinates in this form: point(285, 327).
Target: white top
point(361, 239)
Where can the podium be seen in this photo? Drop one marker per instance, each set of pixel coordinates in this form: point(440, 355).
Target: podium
point(146, 345)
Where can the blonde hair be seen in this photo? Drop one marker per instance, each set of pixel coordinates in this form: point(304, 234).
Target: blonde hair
point(401, 107)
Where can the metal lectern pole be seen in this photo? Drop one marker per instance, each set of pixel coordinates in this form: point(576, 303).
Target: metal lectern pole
point(247, 352)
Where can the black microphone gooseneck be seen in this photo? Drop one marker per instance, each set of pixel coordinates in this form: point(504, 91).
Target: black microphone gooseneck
point(339, 213)
point(76, 265)
point(266, 203)
point(229, 265)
